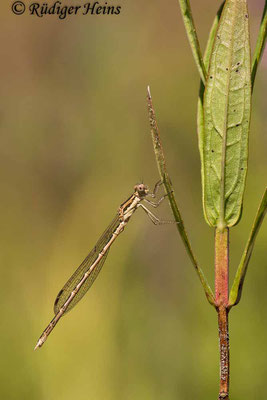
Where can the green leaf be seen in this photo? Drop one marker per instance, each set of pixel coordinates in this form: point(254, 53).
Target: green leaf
point(227, 103)
point(259, 45)
point(236, 290)
point(161, 163)
point(192, 37)
point(200, 111)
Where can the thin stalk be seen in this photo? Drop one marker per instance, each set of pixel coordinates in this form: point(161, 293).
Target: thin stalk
point(161, 163)
point(224, 353)
point(221, 301)
point(221, 267)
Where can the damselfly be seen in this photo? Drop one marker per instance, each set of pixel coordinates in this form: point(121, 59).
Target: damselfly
point(85, 275)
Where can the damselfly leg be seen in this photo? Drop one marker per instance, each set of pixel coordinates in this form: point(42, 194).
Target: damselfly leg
point(157, 203)
point(156, 188)
point(154, 218)
point(153, 195)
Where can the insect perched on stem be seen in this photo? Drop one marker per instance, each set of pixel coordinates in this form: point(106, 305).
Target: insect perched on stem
point(83, 278)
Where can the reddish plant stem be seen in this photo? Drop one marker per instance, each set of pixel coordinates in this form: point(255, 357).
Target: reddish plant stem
point(221, 267)
point(224, 352)
point(221, 297)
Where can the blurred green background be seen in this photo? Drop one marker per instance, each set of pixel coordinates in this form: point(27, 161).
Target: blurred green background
point(74, 140)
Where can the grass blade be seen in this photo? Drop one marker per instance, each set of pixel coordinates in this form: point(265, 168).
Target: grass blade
point(236, 290)
point(227, 104)
point(259, 45)
point(158, 149)
point(192, 37)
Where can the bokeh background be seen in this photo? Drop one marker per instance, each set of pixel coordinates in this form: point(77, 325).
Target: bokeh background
point(74, 140)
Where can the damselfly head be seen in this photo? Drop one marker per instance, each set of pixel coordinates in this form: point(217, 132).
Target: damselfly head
point(141, 189)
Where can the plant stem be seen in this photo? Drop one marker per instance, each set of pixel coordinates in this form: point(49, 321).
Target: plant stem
point(221, 301)
point(224, 352)
point(221, 267)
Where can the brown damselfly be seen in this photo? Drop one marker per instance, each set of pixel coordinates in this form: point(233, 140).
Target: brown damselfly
point(83, 278)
